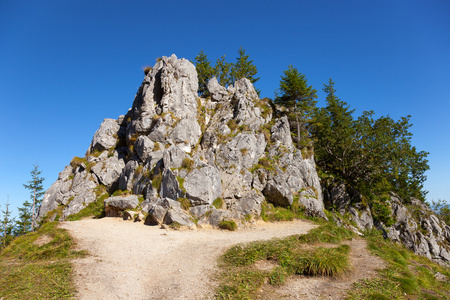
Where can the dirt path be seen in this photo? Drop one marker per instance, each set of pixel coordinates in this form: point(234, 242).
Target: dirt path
point(133, 261)
point(364, 265)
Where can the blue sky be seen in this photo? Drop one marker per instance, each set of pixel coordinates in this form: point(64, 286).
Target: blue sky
point(67, 65)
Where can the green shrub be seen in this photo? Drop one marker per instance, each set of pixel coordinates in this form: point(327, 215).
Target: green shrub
point(185, 203)
point(157, 180)
point(218, 203)
point(228, 224)
point(187, 164)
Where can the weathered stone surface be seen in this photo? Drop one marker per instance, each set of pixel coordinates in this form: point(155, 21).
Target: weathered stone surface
point(144, 147)
point(173, 157)
point(170, 186)
point(314, 207)
point(243, 100)
point(281, 134)
point(203, 185)
point(217, 92)
point(179, 217)
point(115, 206)
point(106, 136)
point(127, 176)
point(108, 171)
point(277, 191)
point(186, 131)
point(248, 204)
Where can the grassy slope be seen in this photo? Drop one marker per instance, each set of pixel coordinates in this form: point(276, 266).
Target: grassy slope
point(30, 271)
point(407, 276)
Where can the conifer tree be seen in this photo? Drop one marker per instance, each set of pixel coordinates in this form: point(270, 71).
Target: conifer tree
point(204, 72)
point(36, 188)
point(23, 224)
point(6, 226)
point(243, 68)
point(222, 71)
point(298, 97)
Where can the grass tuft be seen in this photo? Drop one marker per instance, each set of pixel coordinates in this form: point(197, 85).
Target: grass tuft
point(228, 224)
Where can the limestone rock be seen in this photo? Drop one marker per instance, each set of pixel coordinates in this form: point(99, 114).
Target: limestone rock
point(115, 206)
point(277, 191)
point(108, 172)
point(144, 147)
point(106, 136)
point(203, 185)
point(218, 93)
point(178, 217)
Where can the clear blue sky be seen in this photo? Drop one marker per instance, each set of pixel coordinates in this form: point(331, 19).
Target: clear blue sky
point(67, 65)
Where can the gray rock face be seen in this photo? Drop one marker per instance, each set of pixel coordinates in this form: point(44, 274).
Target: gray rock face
point(144, 147)
point(172, 145)
point(106, 136)
point(169, 186)
point(108, 171)
point(115, 206)
point(203, 185)
point(217, 92)
point(281, 134)
point(178, 217)
point(278, 192)
point(243, 100)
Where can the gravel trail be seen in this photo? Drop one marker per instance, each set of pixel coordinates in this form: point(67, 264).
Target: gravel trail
point(133, 261)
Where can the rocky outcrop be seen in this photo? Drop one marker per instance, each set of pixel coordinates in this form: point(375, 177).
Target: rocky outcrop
point(415, 224)
point(190, 160)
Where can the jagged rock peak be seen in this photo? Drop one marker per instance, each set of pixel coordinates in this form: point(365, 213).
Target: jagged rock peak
point(188, 158)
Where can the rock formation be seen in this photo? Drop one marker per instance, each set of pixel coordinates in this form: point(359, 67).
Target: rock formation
point(416, 225)
point(175, 158)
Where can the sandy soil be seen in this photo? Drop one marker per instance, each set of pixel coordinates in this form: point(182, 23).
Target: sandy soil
point(133, 261)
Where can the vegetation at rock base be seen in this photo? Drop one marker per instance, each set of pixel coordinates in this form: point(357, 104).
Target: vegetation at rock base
point(407, 276)
point(228, 224)
point(240, 279)
point(36, 265)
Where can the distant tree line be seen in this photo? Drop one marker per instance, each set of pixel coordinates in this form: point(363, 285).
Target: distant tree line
point(26, 222)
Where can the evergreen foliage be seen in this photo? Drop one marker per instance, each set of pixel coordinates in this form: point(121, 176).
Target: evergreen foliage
point(225, 72)
point(244, 68)
point(36, 188)
point(204, 72)
point(6, 227)
point(373, 155)
point(23, 224)
point(298, 98)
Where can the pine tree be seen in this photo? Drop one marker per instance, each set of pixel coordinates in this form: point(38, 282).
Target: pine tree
point(204, 72)
point(295, 94)
point(35, 185)
point(6, 227)
point(222, 71)
point(243, 68)
point(23, 224)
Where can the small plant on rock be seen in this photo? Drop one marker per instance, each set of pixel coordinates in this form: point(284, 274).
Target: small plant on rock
point(228, 224)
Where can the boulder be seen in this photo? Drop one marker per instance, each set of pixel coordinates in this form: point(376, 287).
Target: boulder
point(277, 191)
point(144, 147)
point(108, 171)
point(106, 136)
point(218, 93)
point(177, 217)
point(203, 185)
point(115, 206)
